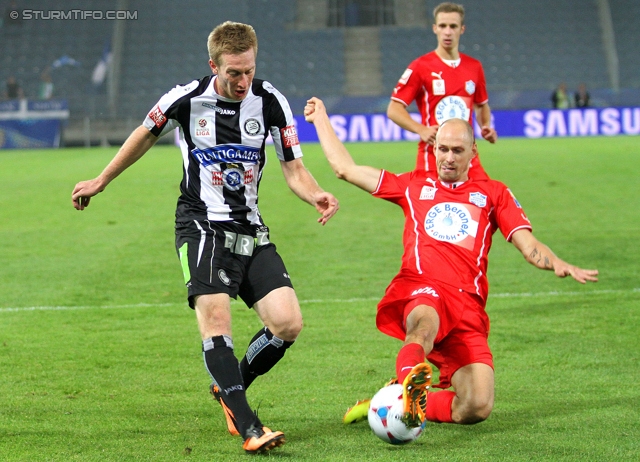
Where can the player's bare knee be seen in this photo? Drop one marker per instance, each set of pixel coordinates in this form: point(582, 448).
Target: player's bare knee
point(481, 412)
point(474, 411)
point(287, 330)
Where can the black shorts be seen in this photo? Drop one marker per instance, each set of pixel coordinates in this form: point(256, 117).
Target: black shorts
point(223, 257)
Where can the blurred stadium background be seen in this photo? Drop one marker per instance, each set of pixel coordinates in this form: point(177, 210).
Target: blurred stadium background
point(349, 52)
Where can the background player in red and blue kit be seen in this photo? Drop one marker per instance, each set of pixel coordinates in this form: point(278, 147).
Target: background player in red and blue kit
point(436, 303)
point(444, 84)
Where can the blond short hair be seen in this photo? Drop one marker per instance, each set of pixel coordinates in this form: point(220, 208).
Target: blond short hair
point(448, 7)
point(231, 38)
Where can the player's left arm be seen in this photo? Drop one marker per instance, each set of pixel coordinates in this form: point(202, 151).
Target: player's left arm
point(541, 256)
point(483, 116)
point(304, 185)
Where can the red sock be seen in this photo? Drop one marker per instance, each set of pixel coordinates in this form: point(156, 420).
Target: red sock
point(409, 355)
point(439, 406)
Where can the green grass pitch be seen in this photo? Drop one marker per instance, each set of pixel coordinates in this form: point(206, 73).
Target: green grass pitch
point(100, 356)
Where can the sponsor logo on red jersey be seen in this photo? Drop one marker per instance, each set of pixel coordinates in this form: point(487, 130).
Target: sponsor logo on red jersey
point(439, 87)
point(426, 290)
point(157, 116)
point(515, 201)
point(404, 78)
point(428, 193)
point(454, 223)
point(478, 199)
point(470, 87)
point(289, 136)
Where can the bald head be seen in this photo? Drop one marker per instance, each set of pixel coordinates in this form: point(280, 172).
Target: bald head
point(460, 127)
point(454, 150)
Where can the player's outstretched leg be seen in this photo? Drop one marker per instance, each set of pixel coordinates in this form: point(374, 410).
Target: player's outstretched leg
point(360, 411)
point(259, 439)
point(414, 395)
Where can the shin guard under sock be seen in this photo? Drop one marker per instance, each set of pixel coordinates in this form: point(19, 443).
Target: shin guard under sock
point(222, 365)
point(264, 351)
point(409, 356)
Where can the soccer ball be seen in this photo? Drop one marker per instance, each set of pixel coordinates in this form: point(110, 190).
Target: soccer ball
point(385, 414)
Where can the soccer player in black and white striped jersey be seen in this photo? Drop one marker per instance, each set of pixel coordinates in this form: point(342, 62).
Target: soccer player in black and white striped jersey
point(221, 240)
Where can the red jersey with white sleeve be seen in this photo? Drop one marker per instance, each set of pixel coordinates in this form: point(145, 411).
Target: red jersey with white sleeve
point(448, 231)
point(442, 91)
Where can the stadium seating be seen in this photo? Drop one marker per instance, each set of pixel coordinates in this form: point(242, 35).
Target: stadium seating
point(26, 50)
point(524, 46)
point(159, 55)
point(625, 14)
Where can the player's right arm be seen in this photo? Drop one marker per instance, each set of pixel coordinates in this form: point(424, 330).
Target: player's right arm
point(397, 112)
point(138, 143)
point(339, 158)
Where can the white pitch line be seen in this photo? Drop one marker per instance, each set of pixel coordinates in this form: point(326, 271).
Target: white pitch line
point(570, 294)
point(85, 307)
point(303, 302)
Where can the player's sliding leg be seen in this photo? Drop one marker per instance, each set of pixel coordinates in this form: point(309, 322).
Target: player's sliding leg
point(358, 412)
point(224, 369)
point(409, 356)
point(440, 406)
point(414, 394)
point(264, 351)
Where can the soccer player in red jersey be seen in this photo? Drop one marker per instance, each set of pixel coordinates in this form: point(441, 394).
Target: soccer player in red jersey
point(444, 84)
point(436, 303)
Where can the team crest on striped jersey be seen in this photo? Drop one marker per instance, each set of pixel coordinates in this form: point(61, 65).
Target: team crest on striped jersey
point(232, 178)
point(252, 126)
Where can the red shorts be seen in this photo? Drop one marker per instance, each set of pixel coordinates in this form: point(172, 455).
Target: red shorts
point(464, 325)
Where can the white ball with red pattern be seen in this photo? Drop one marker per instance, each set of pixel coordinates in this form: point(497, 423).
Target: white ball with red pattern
point(385, 414)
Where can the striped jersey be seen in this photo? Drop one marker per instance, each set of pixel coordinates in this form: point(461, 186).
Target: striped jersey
point(223, 146)
point(448, 231)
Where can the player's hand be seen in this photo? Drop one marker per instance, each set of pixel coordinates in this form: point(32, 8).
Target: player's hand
point(489, 134)
point(327, 205)
point(84, 191)
point(564, 269)
point(428, 134)
point(314, 109)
